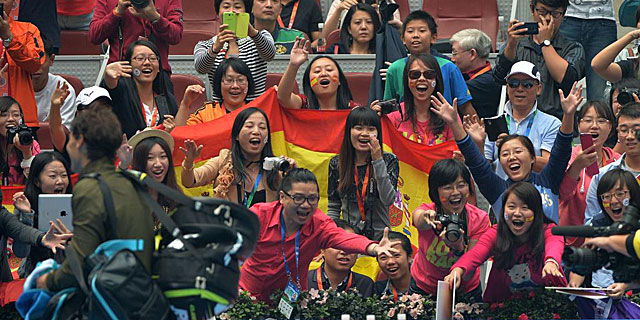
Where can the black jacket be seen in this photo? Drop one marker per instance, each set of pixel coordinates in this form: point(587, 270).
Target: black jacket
point(10, 226)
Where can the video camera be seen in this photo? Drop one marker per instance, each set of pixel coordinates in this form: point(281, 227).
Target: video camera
point(585, 260)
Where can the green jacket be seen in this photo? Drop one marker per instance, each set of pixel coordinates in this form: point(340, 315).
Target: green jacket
point(134, 219)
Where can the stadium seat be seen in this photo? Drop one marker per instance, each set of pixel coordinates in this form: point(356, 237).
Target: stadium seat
point(74, 82)
point(453, 16)
point(180, 84)
point(44, 136)
point(189, 40)
point(199, 10)
point(73, 42)
point(274, 78)
point(333, 38)
point(359, 83)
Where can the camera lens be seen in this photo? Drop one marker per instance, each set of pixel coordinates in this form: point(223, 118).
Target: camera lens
point(585, 257)
point(25, 138)
point(283, 165)
point(139, 4)
point(453, 232)
point(624, 98)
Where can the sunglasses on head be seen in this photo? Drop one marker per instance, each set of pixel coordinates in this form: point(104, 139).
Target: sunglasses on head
point(527, 84)
point(428, 74)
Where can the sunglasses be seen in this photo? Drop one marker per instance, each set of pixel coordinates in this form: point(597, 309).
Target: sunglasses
point(527, 84)
point(428, 74)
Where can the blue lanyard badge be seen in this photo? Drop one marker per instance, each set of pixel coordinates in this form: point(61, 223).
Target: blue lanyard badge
point(297, 251)
point(292, 291)
point(529, 124)
point(248, 201)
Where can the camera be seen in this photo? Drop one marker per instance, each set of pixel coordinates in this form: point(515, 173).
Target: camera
point(25, 135)
point(453, 224)
point(625, 95)
point(139, 4)
point(389, 106)
point(278, 163)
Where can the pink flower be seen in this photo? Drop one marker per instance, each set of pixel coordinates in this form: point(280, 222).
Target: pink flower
point(314, 293)
point(303, 303)
point(391, 312)
point(404, 298)
point(523, 316)
point(555, 316)
point(458, 316)
point(414, 313)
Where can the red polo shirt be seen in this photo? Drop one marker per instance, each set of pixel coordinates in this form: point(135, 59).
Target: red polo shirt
point(264, 271)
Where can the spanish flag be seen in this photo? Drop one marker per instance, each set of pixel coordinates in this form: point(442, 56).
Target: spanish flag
point(312, 137)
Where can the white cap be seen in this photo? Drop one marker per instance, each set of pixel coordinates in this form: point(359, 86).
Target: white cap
point(90, 94)
point(526, 68)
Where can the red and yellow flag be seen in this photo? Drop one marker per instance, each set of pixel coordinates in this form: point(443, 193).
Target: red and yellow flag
point(312, 137)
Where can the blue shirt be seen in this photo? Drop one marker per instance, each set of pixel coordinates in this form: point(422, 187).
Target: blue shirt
point(544, 128)
point(454, 84)
point(547, 181)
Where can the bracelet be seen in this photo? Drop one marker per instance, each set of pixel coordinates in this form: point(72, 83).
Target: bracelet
point(554, 262)
point(185, 167)
point(26, 163)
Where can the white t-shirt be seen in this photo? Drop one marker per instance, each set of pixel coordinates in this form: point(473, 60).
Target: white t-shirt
point(43, 101)
point(149, 113)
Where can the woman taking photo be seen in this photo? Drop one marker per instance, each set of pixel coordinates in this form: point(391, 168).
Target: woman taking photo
point(358, 31)
point(232, 81)
point(237, 174)
point(362, 178)
point(596, 119)
point(324, 85)
point(517, 155)
point(525, 254)
point(49, 174)
point(255, 50)
point(14, 156)
point(140, 97)
point(449, 189)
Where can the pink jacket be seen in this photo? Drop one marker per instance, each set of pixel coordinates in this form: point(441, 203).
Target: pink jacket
point(525, 274)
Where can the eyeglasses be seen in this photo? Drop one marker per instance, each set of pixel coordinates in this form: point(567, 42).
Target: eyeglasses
point(299, 199)
point(152, 58)
point(459, 186)
point(527, 84)
point(238, 81)
point(544, 13)
point(599, 121)
point(626, 130)
point(428, 74)
point(620, 195)
point(453, 54)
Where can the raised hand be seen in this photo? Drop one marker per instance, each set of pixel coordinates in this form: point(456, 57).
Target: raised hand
point(376, 107)
point(225, 35)
point(124, 153)
point(191, 151)
point(299, 52)
point(515, 34)
point(551, 269)
point(374, 147)
point(21, 202)
point(60, 94)
point(573, 100)
point(586, 157)
point(347, 4)
point(149, 12)
point(5, 28)
point(545, 30)
point(122, 6)
point(441, 107)
point(384, 246)
point(55, 241)
point(383, 72)
point(474, 126)
point(191, 94)
point(118, 69)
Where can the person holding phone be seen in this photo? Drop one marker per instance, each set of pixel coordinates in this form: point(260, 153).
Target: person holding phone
point(339, 8)
point(362, 178)
point(255, 48)
point(595, 124)
point(524, 115)
point(561, 62)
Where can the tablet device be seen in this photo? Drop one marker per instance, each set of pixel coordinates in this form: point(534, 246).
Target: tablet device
point(52, 207)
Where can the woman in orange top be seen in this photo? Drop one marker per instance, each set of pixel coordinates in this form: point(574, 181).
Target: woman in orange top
point(233, 82)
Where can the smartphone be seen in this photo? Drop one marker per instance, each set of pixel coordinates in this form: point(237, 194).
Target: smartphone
point(2, 8)
point(242, 25)
point(229, 18)
point(586, 141)
point(532, 28)
point(494, 126)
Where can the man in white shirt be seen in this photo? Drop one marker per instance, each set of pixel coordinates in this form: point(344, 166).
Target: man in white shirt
point(44, 83)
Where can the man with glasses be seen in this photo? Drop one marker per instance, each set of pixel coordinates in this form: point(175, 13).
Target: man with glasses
point(560, 61)
point(292, 231)
point(628, 128)
point(524, 116)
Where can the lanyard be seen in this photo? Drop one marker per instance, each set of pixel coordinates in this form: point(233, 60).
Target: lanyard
point(154, 114)
point(297, 251)
point(144, 27)
point(483, 70)
point(247, 202)
point(321, 286)
point(364, 190)
point(395, 293)
point(294, 11)
point(508, 118)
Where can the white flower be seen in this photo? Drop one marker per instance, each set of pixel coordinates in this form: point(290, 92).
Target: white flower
point(314, 293)
point(458, 316)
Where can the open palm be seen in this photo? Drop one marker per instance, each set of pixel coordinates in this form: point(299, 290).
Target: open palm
point(571, 102)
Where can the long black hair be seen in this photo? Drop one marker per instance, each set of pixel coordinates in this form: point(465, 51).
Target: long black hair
point(506, 242)
point(358, 116)
point(610, 180)
point(5, 104)
point(346, 38)
point(139, 163)
point(31, 189)
point(238, 66)
point(160, 87)
point(237, 156)
point(436, 124)
point(343, 96)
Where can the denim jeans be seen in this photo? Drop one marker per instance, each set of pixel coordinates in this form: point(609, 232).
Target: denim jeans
point(594, 35)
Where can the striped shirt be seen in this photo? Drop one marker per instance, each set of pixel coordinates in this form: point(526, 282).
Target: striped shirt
point(255, 52)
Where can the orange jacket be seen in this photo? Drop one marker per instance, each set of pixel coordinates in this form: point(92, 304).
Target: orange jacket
point(24, 55)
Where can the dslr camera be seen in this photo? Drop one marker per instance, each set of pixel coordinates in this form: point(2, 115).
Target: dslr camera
point(453, 224)
point(625, 95)
point(139, 4)
point(25, 134)
point(278, 163)
point(585, 260)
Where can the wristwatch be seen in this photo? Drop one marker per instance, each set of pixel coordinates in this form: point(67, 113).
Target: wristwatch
point(7, 42)
point(546, 43)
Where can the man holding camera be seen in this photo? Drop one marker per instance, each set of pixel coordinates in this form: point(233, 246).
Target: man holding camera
point(123, 22)
point(560, 61)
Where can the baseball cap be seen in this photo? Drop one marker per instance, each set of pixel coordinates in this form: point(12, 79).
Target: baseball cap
point(90, 94)
point(526, 68)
